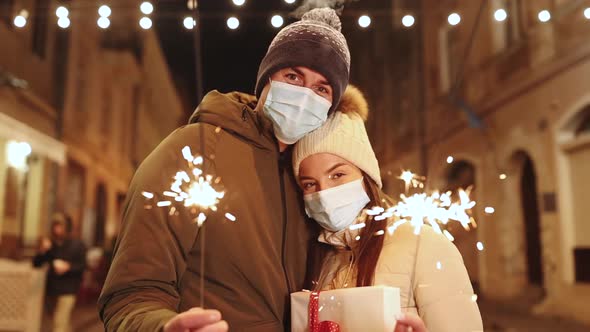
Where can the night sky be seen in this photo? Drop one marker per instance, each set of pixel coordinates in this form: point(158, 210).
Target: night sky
point(230, 58)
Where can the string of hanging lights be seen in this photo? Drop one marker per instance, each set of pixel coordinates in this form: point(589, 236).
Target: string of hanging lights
point(146, 8)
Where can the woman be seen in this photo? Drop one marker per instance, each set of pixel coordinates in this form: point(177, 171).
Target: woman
point(339, 174)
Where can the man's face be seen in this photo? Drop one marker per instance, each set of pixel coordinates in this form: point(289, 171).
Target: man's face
point(58, 231)
point(304, 77)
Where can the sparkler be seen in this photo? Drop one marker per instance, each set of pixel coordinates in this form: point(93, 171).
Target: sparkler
point(196, 191)
point(419, 209)
point(192, 189)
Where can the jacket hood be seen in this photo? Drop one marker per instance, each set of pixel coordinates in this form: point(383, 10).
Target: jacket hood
point(353, 102)
point(234, 112)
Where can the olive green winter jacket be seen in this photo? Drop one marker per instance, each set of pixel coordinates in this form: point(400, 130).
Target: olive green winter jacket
point(251, 265)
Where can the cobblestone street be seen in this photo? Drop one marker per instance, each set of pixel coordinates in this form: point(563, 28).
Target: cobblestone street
point(506, 317)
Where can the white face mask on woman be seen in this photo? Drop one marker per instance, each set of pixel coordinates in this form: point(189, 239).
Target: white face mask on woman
point(294, 111)
point(338, 207)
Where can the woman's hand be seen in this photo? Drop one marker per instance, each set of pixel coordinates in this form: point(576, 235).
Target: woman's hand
point(409, 323)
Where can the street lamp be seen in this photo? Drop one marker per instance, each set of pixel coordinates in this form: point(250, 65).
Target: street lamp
point(17, 153)
point(239, 2)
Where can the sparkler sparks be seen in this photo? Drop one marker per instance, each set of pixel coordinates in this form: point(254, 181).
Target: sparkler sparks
point(411, 179)
point(193, 189)
point(195, 192)
point(357, 226)
point(420, 209)
point(433, 209)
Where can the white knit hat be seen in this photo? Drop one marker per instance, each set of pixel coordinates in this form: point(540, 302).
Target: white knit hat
point(343, 135)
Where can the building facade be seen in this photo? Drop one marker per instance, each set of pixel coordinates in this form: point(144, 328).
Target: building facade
point(90, 103)
point(506, 96)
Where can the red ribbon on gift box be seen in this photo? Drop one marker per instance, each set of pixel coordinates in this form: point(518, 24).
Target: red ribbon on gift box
point(313, 311)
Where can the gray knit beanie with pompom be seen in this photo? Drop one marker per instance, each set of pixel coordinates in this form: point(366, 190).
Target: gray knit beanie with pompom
point(314, 42)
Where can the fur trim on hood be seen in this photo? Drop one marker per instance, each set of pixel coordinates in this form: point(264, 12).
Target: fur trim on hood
point(353, 101)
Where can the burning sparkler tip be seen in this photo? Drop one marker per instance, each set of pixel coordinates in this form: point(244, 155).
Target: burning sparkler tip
point(201, 219)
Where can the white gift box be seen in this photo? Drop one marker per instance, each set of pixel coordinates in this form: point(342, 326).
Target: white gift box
point(353, 309)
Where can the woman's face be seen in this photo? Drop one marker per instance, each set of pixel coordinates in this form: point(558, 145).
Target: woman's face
point(323, 171)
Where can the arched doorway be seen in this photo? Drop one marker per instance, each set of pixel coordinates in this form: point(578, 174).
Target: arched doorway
point(75, 194)
point(526, 209)
point(531, 217)
point(461, 175)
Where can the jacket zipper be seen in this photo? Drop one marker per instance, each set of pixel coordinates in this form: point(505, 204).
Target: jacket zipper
point(284, 244)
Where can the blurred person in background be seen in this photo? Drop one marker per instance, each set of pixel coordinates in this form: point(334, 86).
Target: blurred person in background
point(66, 257)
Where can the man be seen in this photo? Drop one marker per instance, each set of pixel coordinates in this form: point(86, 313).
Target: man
point(67, 260)
point(253, 264)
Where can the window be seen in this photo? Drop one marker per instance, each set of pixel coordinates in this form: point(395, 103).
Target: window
point(106, 110)
point(584, 125)
point(60, 65)
point(508, 32)
point(448, 56)
point(40, 25)
point(13, 190)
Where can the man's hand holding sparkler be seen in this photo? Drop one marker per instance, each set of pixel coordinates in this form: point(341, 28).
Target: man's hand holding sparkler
point(197, 320)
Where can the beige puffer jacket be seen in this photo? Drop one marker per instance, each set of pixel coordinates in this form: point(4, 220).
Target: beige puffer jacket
point(427, 268)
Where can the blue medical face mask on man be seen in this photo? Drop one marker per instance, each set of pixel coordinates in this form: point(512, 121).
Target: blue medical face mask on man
point(294, 111)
